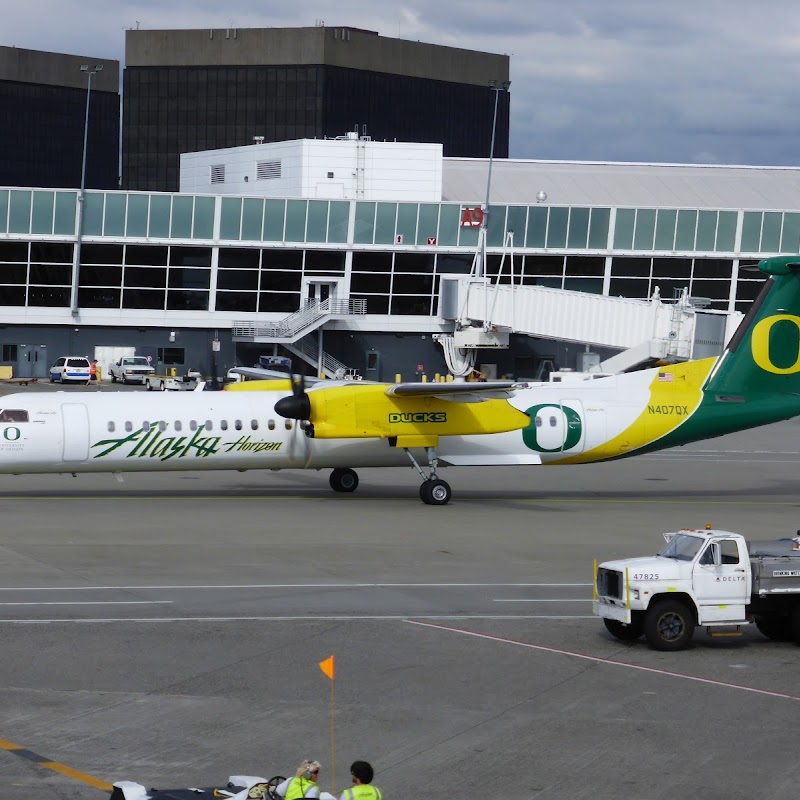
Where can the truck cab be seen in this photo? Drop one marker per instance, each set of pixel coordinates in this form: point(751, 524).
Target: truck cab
point(701, 577)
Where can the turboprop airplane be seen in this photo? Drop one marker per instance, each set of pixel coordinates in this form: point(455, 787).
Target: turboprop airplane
point(283, 424)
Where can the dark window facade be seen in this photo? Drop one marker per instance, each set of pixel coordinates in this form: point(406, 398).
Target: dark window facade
point(41, 138)
point(172, 110)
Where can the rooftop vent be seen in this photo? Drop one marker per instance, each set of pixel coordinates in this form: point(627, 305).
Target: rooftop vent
point(268, 170)
point(218, 173)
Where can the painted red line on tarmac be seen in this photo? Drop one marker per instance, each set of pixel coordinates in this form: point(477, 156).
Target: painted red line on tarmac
point(611, 661)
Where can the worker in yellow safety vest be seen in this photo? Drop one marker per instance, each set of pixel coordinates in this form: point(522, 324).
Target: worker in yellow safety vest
point(362, 789)
point(304, 783)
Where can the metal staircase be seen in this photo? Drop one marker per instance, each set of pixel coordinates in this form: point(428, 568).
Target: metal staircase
point(314, 314)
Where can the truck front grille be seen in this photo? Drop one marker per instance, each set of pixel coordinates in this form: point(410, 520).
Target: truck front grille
point(609, 583)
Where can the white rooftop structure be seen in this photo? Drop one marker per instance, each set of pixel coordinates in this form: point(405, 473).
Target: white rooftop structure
point(346, 168)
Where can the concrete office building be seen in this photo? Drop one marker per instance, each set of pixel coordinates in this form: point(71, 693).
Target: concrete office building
point(170, 274)
point(193, 90)
point(43, 108)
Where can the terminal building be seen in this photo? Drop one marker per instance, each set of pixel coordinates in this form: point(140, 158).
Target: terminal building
point(193, 90)
point(380, 238)
point(43, 108)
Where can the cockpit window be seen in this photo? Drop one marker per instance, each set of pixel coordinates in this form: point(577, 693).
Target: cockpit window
point(682, 547)
point(13, 415)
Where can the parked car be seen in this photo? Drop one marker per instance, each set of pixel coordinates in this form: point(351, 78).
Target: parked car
point(70, 368)
point(130, 369)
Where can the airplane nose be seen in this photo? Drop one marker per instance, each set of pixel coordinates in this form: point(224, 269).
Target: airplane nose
point(294, 407)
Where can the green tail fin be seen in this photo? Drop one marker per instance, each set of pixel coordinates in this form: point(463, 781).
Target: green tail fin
point(763, 356)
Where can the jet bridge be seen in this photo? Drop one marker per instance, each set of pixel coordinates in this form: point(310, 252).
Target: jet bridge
point(644, 330)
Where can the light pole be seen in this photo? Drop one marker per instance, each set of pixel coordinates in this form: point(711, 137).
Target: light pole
point(76, 265)
point(496, 89)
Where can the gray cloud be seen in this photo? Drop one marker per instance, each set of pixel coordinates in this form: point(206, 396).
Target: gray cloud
point(707, 80)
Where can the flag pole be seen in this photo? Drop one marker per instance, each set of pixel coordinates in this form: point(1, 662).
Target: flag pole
point(328, 667)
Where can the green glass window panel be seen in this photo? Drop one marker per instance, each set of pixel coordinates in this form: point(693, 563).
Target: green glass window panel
point(515, 223)
point(665, 229)
point(468, 236)
point(598, 228)
point(751, 232)
point(623, 229)
point(706, 230)
point(726, 231)
point(449, 222)
point(684, 235)
point(578, 228)
point(771, 232)
point(407, 222)
point(428, 222)
point(203, 218)
point(790, 239)
point(496, 226)
point(537, 226)
point(252, 219)
point(296, 220)
point(557, 227)
point(274, 212)
point(231, 218)
point(181, 225)
point(114, 217)
point(160, 207)
point(317, 221)
point(385, 220)
point(93, 213)
point(338, 222)
point(65, 213)
point(42, 221)
point(644, 229)
point(19, 213)
point(137, 215)
point(365, 223)
point(4, 211)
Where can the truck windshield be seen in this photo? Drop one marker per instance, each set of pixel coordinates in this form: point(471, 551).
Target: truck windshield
point(137, 361)
point(682, 547)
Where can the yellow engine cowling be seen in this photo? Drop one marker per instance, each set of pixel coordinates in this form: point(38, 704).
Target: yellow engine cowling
point(359, 412)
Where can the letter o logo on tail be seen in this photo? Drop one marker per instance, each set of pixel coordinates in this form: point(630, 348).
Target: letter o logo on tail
point(11, 434)
point(760, 344)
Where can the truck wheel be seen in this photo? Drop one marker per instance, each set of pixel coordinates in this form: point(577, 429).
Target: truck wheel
point(625, 633)
point(777, 628)
point(796, 623)
point(669, 625)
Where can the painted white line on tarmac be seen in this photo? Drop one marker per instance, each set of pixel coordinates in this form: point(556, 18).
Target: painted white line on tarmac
point(610, 661)
point(540, 600)
point(92, 603)
point(329, 618)
point(289, 586)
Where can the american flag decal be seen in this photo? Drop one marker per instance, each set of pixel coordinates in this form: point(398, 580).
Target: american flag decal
point(665, 376)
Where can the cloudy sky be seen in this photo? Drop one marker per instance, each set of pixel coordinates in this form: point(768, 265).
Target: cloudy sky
point(688, 81)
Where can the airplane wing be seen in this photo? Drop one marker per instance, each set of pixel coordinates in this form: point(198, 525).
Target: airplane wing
point(457, 392)
point(264, 374)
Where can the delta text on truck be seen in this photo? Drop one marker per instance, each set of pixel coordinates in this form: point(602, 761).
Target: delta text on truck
point(708, 578)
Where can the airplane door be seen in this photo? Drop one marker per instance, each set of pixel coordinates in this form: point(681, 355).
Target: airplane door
point(32, 361)
point(76, 431)
point(559, 427)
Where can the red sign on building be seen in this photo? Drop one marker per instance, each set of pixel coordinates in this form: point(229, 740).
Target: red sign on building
point(431, 240)
point(472, 217)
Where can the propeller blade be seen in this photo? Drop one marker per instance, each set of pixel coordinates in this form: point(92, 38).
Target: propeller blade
point(297, 405)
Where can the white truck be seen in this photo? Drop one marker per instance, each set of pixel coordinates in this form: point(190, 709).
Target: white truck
point(173, 383)
point(709, 578)
point(131, 369)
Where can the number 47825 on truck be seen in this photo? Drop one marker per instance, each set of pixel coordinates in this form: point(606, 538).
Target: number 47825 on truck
point(708, 578)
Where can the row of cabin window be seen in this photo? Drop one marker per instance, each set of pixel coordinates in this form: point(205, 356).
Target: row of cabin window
point(209, 425)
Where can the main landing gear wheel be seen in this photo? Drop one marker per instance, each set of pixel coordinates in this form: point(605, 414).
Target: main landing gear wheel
point(344, 480)
point(435, 492)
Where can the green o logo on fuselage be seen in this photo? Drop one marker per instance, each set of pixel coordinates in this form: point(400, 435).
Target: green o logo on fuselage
point(787, 347)
point(11, 434)
point(571, 428)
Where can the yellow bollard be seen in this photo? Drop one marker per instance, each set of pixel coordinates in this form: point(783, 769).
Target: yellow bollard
point(424, 378)
point(398, 378)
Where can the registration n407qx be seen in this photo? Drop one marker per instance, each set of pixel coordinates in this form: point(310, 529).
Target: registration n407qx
point(341, 425)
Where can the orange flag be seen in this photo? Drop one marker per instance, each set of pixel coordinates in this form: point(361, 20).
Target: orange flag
point(327, 666)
